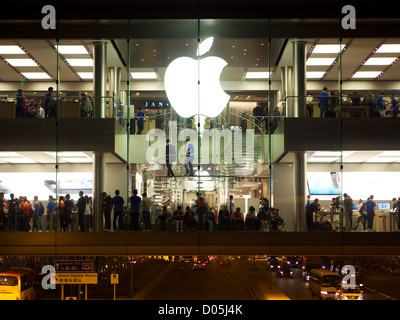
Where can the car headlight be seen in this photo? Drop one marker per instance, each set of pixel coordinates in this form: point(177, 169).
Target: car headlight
point(360, 297)
point(345, 298)
point(324, 292)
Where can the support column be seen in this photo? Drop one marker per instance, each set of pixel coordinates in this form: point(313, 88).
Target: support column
point(287, 90)
point(114, 88)
point(99, 111)
point(299, 111)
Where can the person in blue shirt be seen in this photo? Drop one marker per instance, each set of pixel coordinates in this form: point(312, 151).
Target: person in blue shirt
point(20, 110)
point(50, 214)
point(323, 101)
point(135, 201)
point(394, 106)
point(46, 101)
point(380, 102)
point(189, 158)
point(370, 206)
point(140, 121)
point(117, 204)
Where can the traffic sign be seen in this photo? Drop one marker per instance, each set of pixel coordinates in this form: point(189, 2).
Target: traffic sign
point(114, 278)
point(76, 278)
point(74, 266)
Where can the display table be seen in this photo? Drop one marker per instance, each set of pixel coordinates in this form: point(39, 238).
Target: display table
point(69, 110)
point(348, 108)
point(7, 110)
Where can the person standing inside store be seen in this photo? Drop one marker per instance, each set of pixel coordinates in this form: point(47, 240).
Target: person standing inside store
point(13, 205)
point(81, 206)
point(46, 100)
point(145, 208)
point(70, 205)
point(348, 211)
point(369, 99)
point(20, 107)
point(370, 206)
point(323, 101)
point(117, 203)
point(170, 158)
point(3, 209)
point(362, 217)
point(140, 120)
point(106, 208)
point(380, 103)
point(134, 211)
point(313, 208)
point(51, 214)
point(189, 158)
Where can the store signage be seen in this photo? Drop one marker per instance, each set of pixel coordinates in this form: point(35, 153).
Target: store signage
point(193, 86)
point(75, 278)
point(73, 266)
point(49, 20)
point(151, 104)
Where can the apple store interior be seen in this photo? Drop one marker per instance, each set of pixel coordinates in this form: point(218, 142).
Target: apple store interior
point(237, 113)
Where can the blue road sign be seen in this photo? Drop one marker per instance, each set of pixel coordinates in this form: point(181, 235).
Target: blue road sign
point(73, 266)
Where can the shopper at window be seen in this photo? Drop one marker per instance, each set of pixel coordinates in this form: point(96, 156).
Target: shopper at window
point(323, 101)
point(380, 103)
point(46, 100)
point(237, 219)
point(369, 99)
point(69, 203)
point(117, 204)
point(262, 218)
point(189, 219)
point(64, 214)
point(20, 105)
point(224, 218)
point(81, 205)
point(251, 219)
point(370, 210)
point(335, 209)
point(87, 217)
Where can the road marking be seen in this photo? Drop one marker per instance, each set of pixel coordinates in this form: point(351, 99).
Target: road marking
point(382, 294)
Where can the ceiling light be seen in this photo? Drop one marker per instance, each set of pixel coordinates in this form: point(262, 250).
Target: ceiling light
point(323, 159)
point(367, 74)
point(379, 61)
point(77, 160)
point(257, 75)
point(17, 160)
point(86, 75)
point(144, 75)
point(314, 74)
point(320, 61)
point(9, 154)
point(11, 50)
point(328, 48)
point(389, 48)
point(72, 49)
point(22, 62)
point(80, 62)
point(36, 75)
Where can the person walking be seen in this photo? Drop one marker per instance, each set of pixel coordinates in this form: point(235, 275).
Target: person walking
point(189, 158)
point(170, 158)
point(323, 101)
point(145, 208)
point(362, 217)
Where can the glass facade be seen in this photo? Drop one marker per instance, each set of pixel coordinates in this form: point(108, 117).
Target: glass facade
point(223, 124)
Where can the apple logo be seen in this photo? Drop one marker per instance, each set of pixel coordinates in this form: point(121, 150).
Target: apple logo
point(193, 87)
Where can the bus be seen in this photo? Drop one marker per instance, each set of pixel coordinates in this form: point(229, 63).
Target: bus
point(323, 283)
point(17, 284)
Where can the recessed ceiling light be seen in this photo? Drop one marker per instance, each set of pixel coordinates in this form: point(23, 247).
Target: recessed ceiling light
point(80, 62)
point(323, 159)
point(86, 75)
point(144, 75)
point(36, 75)
point(11, 50)
point(18, 160)
point(320, 61)
point(379, 61)
point(22, 62)
point(314, 74)
point(389, 48)
point(77, 160)
point(257, 75)
point(71, 49)
point(367, 74)
point(328, 48)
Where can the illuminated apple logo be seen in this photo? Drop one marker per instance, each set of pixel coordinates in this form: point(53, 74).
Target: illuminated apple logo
point(193, 86)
